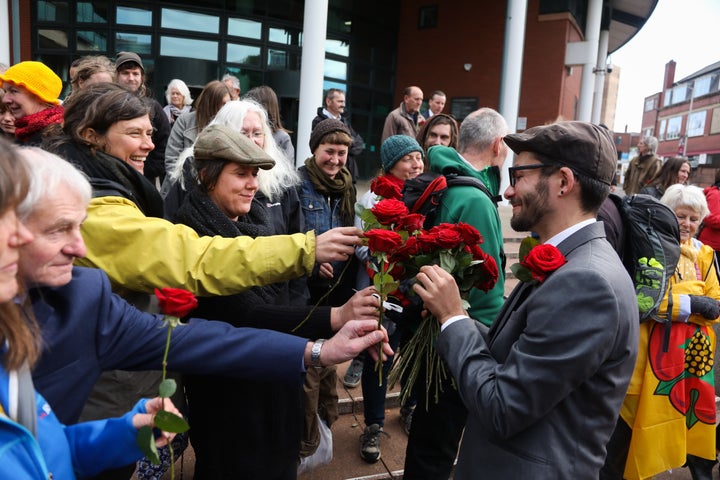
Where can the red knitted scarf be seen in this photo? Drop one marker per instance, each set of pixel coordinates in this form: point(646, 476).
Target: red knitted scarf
point(28, 125)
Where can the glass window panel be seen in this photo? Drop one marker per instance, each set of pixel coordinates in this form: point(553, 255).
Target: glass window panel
point(335, 69)
point(247, 54)
point(89, 40)
point(328, 84)
point(283, 60)
point(337, 47)
point(696, 124)
point(53, 11)
point(244, 28)
point(667, 97)
point(133, 42)
point(188, 48)
point(661, 133)
point(679, 94)
point(48, 38)
point(673, 128)
point(192, 21)
point(277, 59)
point(649, 104)
point(93, 12)
point(285, 36)
point(134, 16)
point(248, 78)
point(701, 87)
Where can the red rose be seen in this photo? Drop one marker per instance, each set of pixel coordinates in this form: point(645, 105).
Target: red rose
point(386, 188)
point(383, 241)
point(175, 301)
point(490, 275)
point(542, 260)
point(469, 234)
point(447, 235)
point(412, 222)
point(428, 241)
point(389, 211)
point(410, 248)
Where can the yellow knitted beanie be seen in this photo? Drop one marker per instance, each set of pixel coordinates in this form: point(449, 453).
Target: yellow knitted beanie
point(37, 78)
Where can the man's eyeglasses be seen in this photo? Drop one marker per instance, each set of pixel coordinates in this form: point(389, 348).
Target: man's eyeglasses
point(512, 170)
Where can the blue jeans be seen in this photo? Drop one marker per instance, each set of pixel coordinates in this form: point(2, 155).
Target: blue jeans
point(374, 394)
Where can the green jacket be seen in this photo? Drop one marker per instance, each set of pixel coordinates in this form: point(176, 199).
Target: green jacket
point(472, 206)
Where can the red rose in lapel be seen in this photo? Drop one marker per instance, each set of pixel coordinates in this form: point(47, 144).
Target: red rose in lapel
point(175, 301)
point(542, 260)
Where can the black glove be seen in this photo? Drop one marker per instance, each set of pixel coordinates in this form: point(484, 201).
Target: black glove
point(705, 306)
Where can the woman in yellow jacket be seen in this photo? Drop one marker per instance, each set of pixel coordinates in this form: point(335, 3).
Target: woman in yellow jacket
point(670, 404)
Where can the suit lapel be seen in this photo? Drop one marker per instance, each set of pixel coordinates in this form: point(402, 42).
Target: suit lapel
point(518, 295)
point(524, 289)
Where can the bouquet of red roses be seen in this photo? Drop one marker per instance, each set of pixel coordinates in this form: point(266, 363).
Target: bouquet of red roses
point(399, 246)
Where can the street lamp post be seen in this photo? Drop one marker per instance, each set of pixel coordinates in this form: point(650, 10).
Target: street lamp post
point(687, 122)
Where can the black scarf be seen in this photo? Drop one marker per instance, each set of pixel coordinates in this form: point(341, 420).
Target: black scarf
point(340, 186)
point(201, 214)
point(107, 173)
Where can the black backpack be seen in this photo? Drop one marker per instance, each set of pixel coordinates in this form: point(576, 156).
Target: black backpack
point(651, 249)
point(423, 193)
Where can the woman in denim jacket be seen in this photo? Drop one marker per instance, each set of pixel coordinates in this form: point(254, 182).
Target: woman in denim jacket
point(327, 196)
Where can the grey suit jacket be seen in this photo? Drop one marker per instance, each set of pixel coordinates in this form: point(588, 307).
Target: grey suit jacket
point(544, 385)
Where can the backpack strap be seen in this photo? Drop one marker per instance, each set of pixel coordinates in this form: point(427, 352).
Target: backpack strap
point(453, 179)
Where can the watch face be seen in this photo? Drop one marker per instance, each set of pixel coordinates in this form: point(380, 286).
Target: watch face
point(315, 352)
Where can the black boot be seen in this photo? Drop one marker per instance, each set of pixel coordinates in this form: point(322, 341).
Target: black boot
point(700, 468)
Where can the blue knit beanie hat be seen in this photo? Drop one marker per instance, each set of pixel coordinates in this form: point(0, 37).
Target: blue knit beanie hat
point(395, 148)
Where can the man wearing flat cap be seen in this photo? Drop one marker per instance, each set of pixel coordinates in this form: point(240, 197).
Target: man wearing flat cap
point(544, 384)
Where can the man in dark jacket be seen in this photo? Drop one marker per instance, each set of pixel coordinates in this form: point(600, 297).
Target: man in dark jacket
point(335, 108)
point(543, 395)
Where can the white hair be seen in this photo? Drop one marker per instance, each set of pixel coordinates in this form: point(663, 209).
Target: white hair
point(182, 88)
point(273, 182)
point(47, 172)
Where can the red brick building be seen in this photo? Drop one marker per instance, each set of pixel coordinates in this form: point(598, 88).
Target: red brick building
point(685, 118)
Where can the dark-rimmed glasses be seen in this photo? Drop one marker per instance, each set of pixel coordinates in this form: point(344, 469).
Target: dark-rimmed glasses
point(512, 170)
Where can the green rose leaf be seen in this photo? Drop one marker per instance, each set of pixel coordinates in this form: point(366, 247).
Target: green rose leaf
point(167, 388)
point(146, 442)
point(169, 422)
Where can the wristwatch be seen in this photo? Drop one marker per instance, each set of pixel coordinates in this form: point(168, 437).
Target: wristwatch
point(315, 352)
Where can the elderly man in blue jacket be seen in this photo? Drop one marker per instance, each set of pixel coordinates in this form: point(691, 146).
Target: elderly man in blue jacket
point(87, 329)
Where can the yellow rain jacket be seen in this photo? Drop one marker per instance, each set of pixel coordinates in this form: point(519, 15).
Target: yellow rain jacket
point(670, 404)
point(140, 253)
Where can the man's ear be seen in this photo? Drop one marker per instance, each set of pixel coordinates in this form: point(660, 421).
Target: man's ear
point(567, 180)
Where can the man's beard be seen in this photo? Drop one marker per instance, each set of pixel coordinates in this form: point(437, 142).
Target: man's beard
point(533, 208)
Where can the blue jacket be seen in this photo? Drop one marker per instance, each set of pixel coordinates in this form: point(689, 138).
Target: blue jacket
point(87, 329)
point(70, 452)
